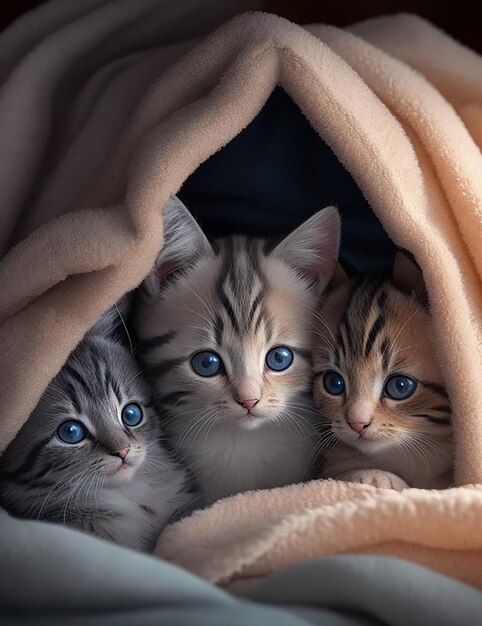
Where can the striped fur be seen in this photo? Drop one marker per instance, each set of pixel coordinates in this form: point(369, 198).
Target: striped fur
point(240, 298)
point(83, 485)
point(368, 331)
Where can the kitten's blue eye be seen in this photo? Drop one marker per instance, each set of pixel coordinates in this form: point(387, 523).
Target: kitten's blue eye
point(132, 414)
point(334, 383)
point(207, 363)
point(71, 432)
point(279, 359)
point(399, 387)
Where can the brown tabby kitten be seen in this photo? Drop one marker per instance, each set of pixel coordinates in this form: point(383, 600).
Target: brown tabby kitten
point(380, 387)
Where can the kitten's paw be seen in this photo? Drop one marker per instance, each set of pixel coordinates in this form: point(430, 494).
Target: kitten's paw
point(376, 478)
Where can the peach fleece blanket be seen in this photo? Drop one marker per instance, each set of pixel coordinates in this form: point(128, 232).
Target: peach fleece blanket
point(98, 126)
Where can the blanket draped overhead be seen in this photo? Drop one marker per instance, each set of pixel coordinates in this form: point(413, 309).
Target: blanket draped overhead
point(106, 107)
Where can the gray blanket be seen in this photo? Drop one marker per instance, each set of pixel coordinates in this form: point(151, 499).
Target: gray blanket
point(54, 575)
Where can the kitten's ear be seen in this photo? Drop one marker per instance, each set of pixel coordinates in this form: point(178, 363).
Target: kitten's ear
point(407, 276)
point(339, 278)
point(184, 241)
point(313, 247)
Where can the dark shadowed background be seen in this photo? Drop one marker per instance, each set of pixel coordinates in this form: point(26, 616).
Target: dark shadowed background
point(461, 19)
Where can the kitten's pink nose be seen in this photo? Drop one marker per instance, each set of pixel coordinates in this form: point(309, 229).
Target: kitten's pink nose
point(248, 404)
point(122, 453)
point(358, 426)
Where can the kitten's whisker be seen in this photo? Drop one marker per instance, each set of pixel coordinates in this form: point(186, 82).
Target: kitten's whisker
point(294, 425)
point(324, 445)
point(202, 425)
point(138, 374)
point(90, 485)
point(427, 442)
point(182, 414)
point(80, 480)
point(209, 322)
point(394, 342)
point(126, 329)
point(58, 485)
point(322, 320)
point(304, 423)
point(331, 344)
point(208, 309)
point(100, 479)
point(419, 451)
point(212, 420)
point(192, 428)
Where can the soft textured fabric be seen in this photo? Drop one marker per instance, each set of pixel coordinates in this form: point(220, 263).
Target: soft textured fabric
point(101, 120)
point(254, 534)
point(57, 576)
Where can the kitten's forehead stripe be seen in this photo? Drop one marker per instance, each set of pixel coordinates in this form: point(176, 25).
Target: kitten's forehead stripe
point(99, 369)
point(385, 350)
point(95, 382)
point(362, 299)
point(72, 396)
point(379, 323)
point(269, 326)
point(340, 343)
point(146, 345)
point(375, 330)
point(258, 322)
point(240, 276)
point(254, 307)
point(230, 311)
point(344, 325)
point(218, 330)
point(116, 389)
point(76, 379)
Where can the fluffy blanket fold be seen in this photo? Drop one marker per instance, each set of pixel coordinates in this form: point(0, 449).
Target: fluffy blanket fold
point(254, 534)
point(99, 126)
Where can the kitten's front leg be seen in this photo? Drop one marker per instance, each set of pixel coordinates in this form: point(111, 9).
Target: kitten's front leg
point(375, 477)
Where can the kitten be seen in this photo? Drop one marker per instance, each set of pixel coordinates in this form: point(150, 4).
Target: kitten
point(225, 335)
point(90, 455)
point(380, 388)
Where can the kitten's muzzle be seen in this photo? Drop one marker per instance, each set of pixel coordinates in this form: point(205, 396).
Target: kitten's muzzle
point(122, 453)
point(248, 404)
point(358, 427)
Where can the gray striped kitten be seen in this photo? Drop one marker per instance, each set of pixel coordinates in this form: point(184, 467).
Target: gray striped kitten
point(225, 335)
point(90, 455)
point(380, 387)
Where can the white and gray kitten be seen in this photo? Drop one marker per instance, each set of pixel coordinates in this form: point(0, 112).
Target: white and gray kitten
point(225, 336)
point(90, 454)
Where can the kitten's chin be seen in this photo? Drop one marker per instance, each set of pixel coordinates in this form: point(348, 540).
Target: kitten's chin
point(371, 446)
point(251, 422)
point(123, 473)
